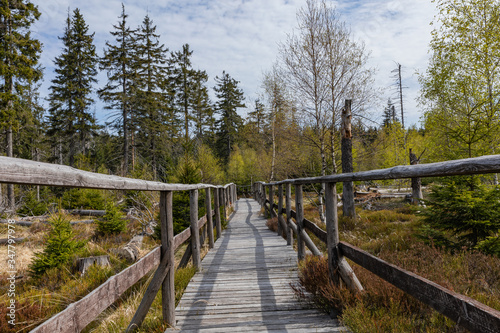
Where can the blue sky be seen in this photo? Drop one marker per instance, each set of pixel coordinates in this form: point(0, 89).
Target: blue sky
point(241, 36)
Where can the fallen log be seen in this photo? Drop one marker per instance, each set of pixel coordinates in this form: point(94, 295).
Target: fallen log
point(130, 251)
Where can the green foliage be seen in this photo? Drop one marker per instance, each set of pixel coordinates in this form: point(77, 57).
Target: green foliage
point(112, 222)
point(460, 86)
point(230, 98)
point(463, 217)
point(31, 206)
point(60, 247)
point(77, 198)
point(71, 122)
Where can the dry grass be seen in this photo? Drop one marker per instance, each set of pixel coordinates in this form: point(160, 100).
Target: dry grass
point(390, 235)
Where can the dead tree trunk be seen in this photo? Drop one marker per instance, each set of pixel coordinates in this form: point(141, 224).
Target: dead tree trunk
point(416, 182)
point(346, 145)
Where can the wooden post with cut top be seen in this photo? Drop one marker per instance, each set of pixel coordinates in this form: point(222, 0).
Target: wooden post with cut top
point(280, 209)
point(299, 206)
point(218, 226)
point(210, 223)
point(195, 233)
point(288, 203)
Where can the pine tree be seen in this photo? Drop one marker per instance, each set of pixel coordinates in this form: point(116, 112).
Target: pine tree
point(19, 55)
point(118, 61)
point(150, 102)
point(71, 122)
point(230, 98)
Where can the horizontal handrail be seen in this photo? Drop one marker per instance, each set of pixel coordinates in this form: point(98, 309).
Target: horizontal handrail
point(87, 309)
point(466, 311)
point(26, 172)
point(468, 166)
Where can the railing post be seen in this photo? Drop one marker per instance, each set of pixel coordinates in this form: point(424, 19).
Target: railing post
point(288, 202)
point(224, 205)
point(167, 246)
point(299, 206)
point(338, 267)
point(280, 208)
point(195, 233)
point(332, 232)
point(210, 223)
point(218, 226)
point(271, 200)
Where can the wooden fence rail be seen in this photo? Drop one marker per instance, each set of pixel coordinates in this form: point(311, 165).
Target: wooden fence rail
point(467, 312)
point(79, 314)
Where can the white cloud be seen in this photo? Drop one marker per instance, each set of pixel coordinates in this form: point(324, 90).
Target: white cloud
point(241, 36)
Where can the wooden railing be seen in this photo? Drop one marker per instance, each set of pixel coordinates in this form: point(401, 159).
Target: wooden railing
point(466, 311)
point(79, 314)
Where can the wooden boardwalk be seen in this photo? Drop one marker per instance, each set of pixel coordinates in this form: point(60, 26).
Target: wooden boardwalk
point(244, 284)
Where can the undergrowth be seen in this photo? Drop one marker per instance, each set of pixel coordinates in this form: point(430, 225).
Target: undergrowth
point(392, 236)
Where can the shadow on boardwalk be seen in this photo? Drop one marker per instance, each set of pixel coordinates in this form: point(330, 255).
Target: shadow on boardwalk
point(244, 284)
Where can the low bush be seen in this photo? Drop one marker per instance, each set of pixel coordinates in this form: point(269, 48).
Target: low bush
point(112, 222)
point(59, 249)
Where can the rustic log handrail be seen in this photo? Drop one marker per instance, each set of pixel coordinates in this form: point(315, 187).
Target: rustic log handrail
point(467, 312)
point(79, 314)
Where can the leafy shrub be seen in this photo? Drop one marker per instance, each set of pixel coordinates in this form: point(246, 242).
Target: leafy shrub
point(83, 198)
point(61, 246)
point(461, 217)
point(112, 222)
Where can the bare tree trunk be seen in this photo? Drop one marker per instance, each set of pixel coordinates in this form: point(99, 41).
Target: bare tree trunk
point(323, 173)
point(273, 160)
point(332, 143)
point(348, 191)
point(416, 183)
point(10, 153)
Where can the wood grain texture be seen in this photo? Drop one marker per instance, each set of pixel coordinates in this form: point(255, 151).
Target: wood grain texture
point(467, 312)
point(21, 171)
point(468, 166)
point(79, 314)
point(244, 285)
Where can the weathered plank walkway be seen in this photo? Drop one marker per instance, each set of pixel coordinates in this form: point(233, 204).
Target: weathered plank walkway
point(244, 284)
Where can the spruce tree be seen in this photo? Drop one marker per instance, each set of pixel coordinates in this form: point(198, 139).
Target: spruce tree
point(230, 98)
point(118, 61)
point(150, 101)
point(71, 123)
point(19, 55)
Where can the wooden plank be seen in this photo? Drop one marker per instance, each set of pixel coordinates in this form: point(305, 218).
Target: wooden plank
point(150, 294)
point(245, 283)
point(21, 171)
point(70, 320)
point(467, 312)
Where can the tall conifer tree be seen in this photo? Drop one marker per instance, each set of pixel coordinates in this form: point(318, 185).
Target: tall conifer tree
point(118, 61)
point(150, 100)
point(230, 98)
point(71, 123)
point(19, 54)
